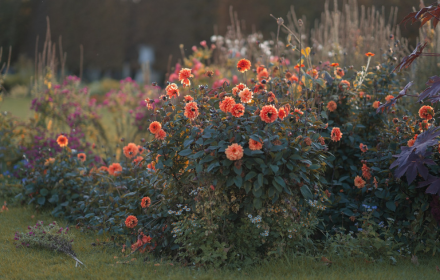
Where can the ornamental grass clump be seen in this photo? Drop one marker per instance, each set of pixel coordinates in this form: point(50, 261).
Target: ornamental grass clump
point(51, 237)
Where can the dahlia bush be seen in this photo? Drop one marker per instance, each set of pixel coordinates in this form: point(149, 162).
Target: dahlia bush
point(239, 158)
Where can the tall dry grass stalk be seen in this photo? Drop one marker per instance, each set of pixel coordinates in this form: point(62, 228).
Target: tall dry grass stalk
point(425, 67)
point(4, 68)
point(344, 35)
point(47, 61)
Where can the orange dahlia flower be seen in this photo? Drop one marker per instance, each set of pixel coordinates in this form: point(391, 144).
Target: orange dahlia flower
point(131, 150)
point(282, 113)
point(188, 98)
point(369, 54)
point(146, 201)
point(243, 65)
point(151, 166)
point(334, 64)
point(81, 157)
point(62, 141)
point(269, 114)
point(291, 77)
point(376, 104)
point(103, 169)
point(308, 141)
point(359, 182)
point(238, 88)
point(49, 161)
point(138, 161)
point(255, 145)
point(298, 111)
point(331, 106)
point(191, 110)
point(363, 147)
point(184, 76)
point(263, 75)
point(227, 104)
point(161, 135)
point(246, 95)
point(237, 110)
point(115, 169)
point(172, 90)
point(155, 127)
point(235, 90)
point(234, 152)
point(340, 72)
point(344, 85)
point(260, 68)
point(336, 134)
point(424, 125)
point(389, 97)
point(299, 66)
point(366, 172)
point(241, 86)
point(131, 221)
point(141, 149)
point(313, 73)
point(426, 112)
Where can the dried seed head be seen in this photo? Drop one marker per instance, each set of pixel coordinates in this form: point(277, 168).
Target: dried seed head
point(280, 21)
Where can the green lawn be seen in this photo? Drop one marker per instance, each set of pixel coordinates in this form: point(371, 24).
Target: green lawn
point(21, 263)
point(19, 107)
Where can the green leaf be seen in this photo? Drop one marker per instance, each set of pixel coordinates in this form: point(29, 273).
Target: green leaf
point(391, 205)
point(185, 153)
point(307, 81)
point(247, 186)
point(271, 192)
point(54, 199)
point(255, 137)
point(274, 168)
point(305, 191)
point(199, 168)
point(260, 180)
point(257, 192)
point(250, 175)
point(44, 192)
point(237, 171)
point(41, 200)
point(296, 156)
point(258, 203)
point(277, 187)
point(238, 181)
point(199, 141)
point(280, 181)
point(314, 166)
point(197, 155)
point(212, 166)
point(187, 142)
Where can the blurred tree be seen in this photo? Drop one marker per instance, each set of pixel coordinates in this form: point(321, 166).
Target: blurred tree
point(111, 31)
point(14, 23)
